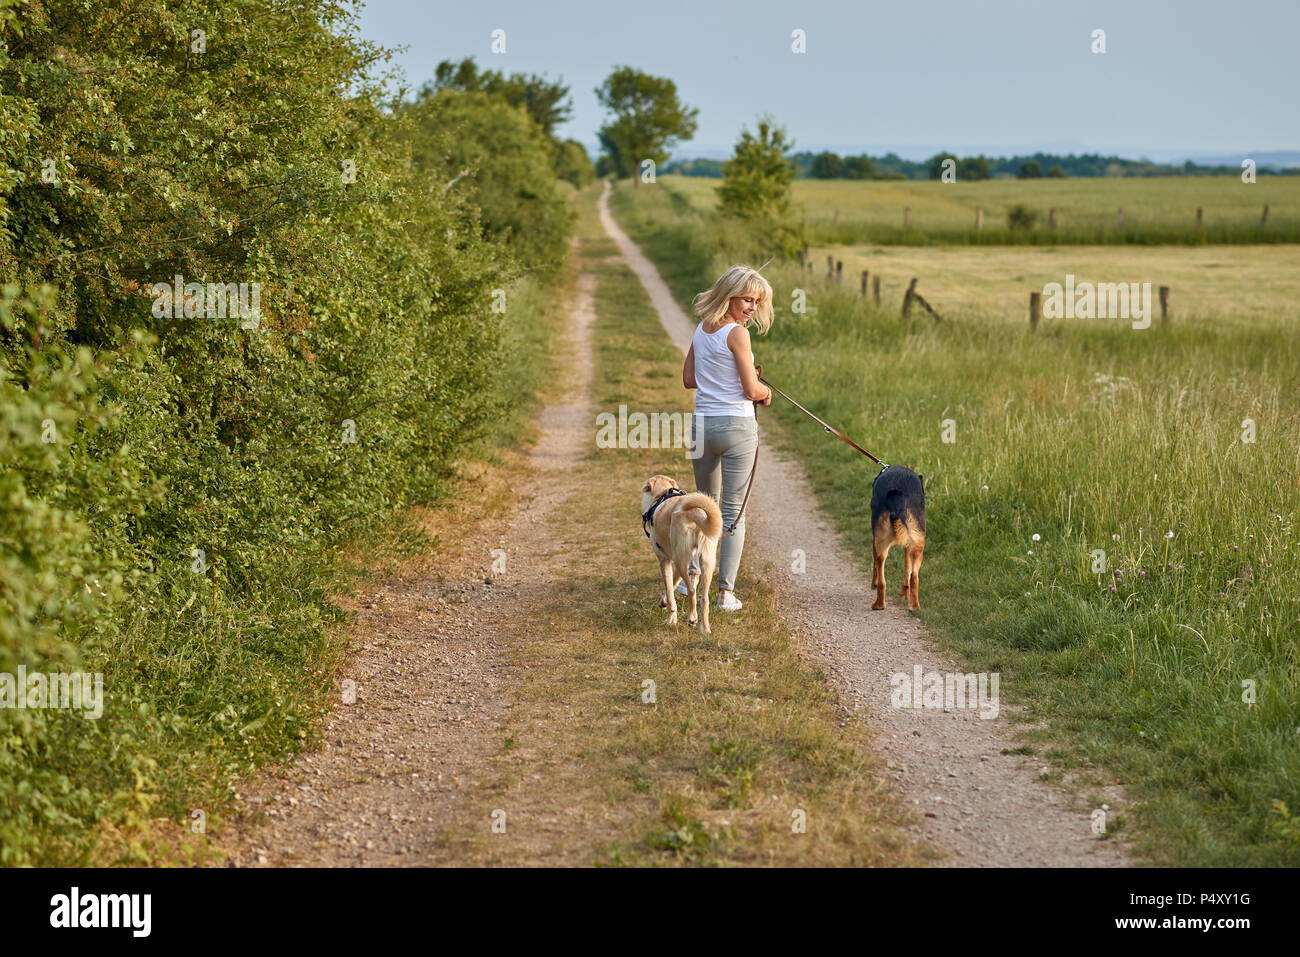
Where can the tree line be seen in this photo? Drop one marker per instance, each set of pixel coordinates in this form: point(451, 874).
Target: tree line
point(828, 165)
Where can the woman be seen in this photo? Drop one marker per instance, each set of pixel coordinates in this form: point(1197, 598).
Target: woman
point(720, 367)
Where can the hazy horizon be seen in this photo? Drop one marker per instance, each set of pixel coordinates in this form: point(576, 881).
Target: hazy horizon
point(1177, 80)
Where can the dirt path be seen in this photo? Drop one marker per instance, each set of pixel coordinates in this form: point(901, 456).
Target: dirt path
point(984, 805)
point(397, 779)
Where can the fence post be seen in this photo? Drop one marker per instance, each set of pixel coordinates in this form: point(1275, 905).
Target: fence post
point(1164, 304)
point(907, 298)
point(801, 259)
point(830, 266)
point(1121, 217)
point(875, 289)
point(907, 217)
point(1051, 217)
point(1264, 218)
point(839, 272)
point(1200, 218)
point(979, 218)
point(1035, 309)
point(837, 217)
point(864, 283)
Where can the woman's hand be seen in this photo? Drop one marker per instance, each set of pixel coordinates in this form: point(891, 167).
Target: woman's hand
point(758, 371)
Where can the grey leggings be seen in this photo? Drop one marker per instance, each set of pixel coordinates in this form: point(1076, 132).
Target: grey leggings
point(726, 445)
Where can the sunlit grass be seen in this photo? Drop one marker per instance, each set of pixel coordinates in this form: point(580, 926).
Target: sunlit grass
point(1096, 438)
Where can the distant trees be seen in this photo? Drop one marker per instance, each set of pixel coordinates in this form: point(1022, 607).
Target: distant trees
point(936, 164)
point(830, 166)
point(1030, 169)
point(827, 166)
point(859, 167)
point(973, 168)
point(648, 119)
point(893, 166)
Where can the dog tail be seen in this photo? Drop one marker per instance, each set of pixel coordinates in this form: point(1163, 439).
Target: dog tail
point(702, 521)
point(704, 512)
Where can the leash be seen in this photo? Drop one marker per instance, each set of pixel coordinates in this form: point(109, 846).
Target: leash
point(749, 484)
point(832, 430)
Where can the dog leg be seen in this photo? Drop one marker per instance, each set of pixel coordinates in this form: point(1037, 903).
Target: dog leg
point(913, 597)
point(907, 570)
point(670, 596)
point(707, 562)
point(692, 583)
point(663, 601)
point(878, 577)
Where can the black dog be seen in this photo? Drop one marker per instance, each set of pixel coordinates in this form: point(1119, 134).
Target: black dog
point(898, 518)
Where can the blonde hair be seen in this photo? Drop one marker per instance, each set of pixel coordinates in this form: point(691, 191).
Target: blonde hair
point(736, 281)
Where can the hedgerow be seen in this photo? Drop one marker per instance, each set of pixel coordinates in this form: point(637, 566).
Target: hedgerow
point(176, 480)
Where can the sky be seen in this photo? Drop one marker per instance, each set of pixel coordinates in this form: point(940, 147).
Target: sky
point(1000, 77)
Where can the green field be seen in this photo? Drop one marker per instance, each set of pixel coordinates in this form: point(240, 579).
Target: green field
point(1100, 533)
point(1157, 210)
point(1251, 285)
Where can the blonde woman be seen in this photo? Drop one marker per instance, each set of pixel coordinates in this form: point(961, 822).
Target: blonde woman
point(724, 430)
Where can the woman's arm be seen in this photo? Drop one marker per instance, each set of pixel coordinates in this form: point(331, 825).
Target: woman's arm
point(688, 370)
point(738, 343)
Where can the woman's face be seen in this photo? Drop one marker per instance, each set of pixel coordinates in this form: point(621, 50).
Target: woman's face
point(742, 308)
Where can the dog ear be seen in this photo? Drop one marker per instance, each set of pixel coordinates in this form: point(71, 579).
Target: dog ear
point(922, 478)
point(646, 486)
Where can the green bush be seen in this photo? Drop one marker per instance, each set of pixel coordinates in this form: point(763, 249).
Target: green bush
point(1021, 216)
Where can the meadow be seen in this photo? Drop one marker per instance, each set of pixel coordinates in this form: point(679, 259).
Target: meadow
point(1112, 512)
point(1158, 210)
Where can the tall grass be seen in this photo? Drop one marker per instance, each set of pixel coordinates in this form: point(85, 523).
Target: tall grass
point(1082, 438)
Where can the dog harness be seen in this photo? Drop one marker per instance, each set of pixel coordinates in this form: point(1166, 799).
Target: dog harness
point(649, 516)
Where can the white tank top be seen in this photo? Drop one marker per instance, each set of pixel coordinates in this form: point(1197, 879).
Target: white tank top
point(718, 391)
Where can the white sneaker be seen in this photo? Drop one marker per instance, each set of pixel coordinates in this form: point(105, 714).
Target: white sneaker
point(681, 588)
point(728, 601)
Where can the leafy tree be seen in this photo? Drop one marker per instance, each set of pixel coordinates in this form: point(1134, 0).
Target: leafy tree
point(756, 185)
point(511, 177)
point(974, 168)
point(1055, 172)
point(936, 164)
point(606, 166)
point(859, 167)
point(827, 166)
point(648, 118)
point(549, 104)
point(1030, 169)
point(573, 164)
